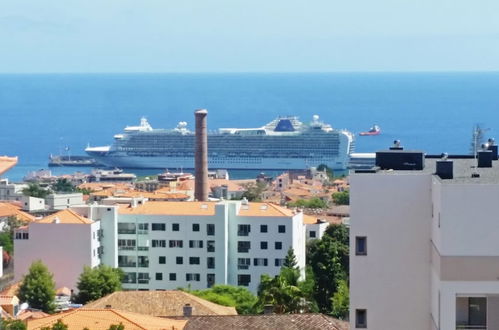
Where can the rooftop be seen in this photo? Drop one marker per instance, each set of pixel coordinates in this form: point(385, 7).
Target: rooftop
point(264, 210)
point(66, 216)
point(267, 322)
point(102, 319)
point(8, 209)
point(171, 208)
point(160, 303)
point(463, 167)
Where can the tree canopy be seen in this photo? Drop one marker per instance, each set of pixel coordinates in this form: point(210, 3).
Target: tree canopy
point(63, 185)
point(312, 203)
point(98, 282)
point(329, 259)
point(6, 324)
point(59, 325)
point(38, 288)
point(227, 295)
point(34, 190)
point(341, 197)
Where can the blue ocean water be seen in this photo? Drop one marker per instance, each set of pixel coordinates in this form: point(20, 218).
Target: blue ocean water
point(435, 112)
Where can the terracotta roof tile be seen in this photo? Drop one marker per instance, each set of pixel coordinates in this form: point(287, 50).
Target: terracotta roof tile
point(264, 210)
point(160, 303)
point(171, 208)
point(102, 319)
point(6, 163)
point(66, 216)
point(8, 209)
point(267, 322)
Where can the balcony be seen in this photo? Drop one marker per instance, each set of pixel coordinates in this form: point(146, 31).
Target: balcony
point(126, 231)
point(127, 264)
point(126, 248)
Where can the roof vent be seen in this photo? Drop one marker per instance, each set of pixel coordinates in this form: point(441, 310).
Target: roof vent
point(264, 207)
point(493, 147)
point(485, 158)
point(445, 167)
point(108, 306)
point(268, 309)
point(56, 220)
point(204, 206)
point(396, 145)
point(244, 201)
point(187, 310)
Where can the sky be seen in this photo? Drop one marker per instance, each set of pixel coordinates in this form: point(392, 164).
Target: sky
point(73, 36)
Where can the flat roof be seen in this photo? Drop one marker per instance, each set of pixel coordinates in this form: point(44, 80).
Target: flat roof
point(462, 170)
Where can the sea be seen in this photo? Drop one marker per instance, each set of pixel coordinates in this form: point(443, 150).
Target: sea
point(61, 114)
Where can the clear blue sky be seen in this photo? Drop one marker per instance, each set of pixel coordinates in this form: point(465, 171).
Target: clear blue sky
point(248, 35)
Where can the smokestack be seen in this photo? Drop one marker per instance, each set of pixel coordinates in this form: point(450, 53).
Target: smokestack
point(201, 157)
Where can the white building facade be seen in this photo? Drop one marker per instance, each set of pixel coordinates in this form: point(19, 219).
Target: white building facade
point(424, 247)
point(167, 245)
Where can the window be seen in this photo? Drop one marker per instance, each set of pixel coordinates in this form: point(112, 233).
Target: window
point(180, 260)
point(278, 245)
point(210, 246)
point(176, 243)
point(143, 261)
point(263, 228)
point(162, 260)
point(195, 244)
point(360, 245)
point(143, 278)
point(195, 227)
point(126, 244)
point(175, 227)
point(130, 278)
point(243, 246)
point(312, 234)
point(143, 228)
point(243, 263)
point(260, 262)
point(243, 230)
point(158, 227)
point(264, 245)
point(243, 280)
point(210, 229)
point(360, 318)
point(210, 262)
point(173, 276)
point(159, 276)
point(127, 261)
point(278, 262)
point(193, 260)
point(210, 278)
point(158, 243)
point(126, 228)
point(282, 228)
point(192, 277)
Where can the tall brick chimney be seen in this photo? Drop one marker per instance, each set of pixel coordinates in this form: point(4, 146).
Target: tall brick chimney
point(201, 156)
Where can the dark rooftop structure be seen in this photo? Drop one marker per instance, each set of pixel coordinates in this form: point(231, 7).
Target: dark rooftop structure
point(267, 322)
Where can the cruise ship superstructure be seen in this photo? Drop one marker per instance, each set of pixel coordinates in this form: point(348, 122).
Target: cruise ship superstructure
point(283, 144)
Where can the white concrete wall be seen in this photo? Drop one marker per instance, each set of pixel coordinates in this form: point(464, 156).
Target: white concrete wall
point(64, 201)
point(469, 220)
point(318, 228)
point(32, 203)
point(63, 248)
point(392, 282)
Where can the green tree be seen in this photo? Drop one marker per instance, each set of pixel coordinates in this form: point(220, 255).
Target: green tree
point(254, 191)
point(98, 282)
point(59, 326)
point(117, 327)
point(227, 295)
point(341, 197)
point(63, 186)
point(340, 301)
point(7, 234)
point(329, 171)
point(312, 203)
point(329, 259)
point(290, 259)
point(38, 288)
point(34, 190)
point(12, 325)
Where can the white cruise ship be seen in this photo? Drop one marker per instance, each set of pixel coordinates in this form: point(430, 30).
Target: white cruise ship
point(283, 144)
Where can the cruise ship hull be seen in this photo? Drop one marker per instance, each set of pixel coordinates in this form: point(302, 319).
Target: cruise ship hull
point(248, 163)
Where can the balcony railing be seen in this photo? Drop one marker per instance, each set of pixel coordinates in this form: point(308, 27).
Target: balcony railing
point(143, 281)
point(471, 327)
point(127, 264)
point(127, 248)
point(126, 231)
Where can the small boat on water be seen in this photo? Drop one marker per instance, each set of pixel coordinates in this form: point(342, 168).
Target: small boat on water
point(374, 130)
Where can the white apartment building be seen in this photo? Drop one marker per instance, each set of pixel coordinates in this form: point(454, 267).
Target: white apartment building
point(166, 245)
point(424, 243)
point(64, 242)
